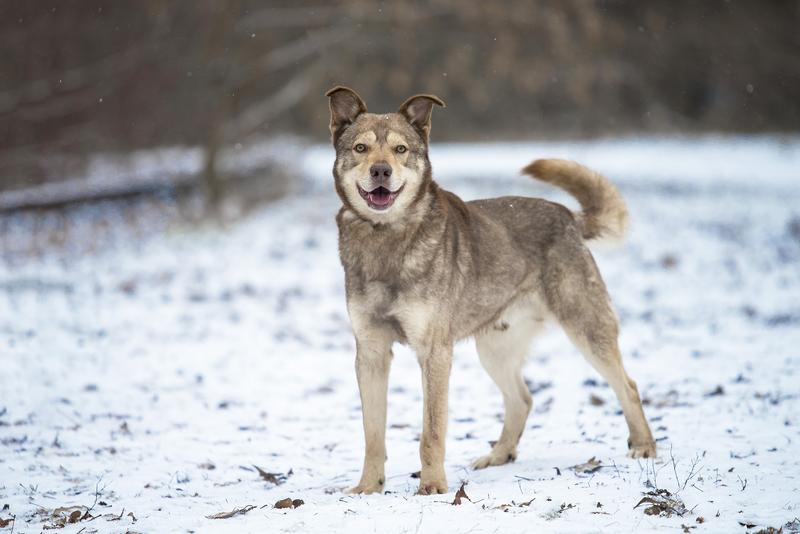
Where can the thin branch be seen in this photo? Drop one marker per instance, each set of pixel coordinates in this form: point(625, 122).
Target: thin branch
point(304, 47)
point(284, 99)
point(72, 79)
point(288, 17)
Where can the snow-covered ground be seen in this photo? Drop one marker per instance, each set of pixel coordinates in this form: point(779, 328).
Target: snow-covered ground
point(144, 381)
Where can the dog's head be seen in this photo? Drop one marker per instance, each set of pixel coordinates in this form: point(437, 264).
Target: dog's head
point(382, 165)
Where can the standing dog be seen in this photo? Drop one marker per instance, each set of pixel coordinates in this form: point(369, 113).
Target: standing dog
point(426, 269)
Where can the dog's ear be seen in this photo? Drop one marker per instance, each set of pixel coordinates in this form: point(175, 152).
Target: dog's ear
point(417, 110)
point(345, 106)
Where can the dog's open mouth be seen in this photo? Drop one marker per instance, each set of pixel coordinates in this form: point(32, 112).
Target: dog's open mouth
point(379, 198)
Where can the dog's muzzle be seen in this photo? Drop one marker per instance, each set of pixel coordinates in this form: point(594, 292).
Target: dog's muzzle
point(380, 198)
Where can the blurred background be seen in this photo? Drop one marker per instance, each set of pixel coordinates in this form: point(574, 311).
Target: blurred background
point(211, 100)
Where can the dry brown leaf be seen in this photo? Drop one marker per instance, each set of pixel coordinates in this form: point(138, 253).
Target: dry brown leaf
point(289, 503)
point(591, 465)
point(115, 517)
point(506, 507)
point(65, 515)
point(232, 513)
point(274, 478)
point(662, 503)
point(461, 494)
point(5, 522)
point(283, 503)
point(596, 400)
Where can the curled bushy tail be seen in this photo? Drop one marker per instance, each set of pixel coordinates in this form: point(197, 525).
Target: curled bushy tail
point(604, 213)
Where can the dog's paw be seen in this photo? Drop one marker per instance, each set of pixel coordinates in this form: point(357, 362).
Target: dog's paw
point(498, 456)
point(432, 487)
point(642, 450)
point(365, 489)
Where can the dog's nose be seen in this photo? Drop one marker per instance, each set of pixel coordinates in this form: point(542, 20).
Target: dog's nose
point(380, 171)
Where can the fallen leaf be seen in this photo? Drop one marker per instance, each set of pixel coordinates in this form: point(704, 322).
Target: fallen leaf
point(506, 507)
point(662, 503)
point(115, 517)
point(461, 494)
point(591, 465)
point(6, 522)
point(284, 503)
point(274, 478)
point(232, 513)
point(595, 400)
point(669, 261)
point(65, 515)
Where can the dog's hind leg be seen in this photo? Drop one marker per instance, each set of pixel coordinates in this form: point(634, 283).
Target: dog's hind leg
point(603, 353)
point(502, 350)
point(578, 298)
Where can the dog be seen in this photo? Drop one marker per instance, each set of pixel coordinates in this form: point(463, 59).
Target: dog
point(426, 269)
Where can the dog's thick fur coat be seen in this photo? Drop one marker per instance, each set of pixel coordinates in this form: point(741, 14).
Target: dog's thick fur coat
point(426, 269)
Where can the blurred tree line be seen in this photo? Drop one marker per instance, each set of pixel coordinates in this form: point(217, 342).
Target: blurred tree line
point(82, 76)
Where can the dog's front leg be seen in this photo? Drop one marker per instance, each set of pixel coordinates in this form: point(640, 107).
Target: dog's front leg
point(373, 360)
point(436, 364)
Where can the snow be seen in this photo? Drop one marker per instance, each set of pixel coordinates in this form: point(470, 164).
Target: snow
point(127, 371)
point(113, 174)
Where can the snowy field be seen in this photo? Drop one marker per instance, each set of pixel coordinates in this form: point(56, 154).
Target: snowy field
point(142, 381)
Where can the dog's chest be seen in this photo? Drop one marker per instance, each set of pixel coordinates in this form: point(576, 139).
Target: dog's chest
point(404, 311)
point(379, 298)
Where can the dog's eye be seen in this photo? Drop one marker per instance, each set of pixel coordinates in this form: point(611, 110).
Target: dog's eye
point(360, 147)
point(400, 149)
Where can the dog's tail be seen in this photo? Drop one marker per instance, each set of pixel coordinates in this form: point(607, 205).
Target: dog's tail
point(604, 213)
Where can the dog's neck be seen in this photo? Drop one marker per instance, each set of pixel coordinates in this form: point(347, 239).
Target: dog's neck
point(383, 249)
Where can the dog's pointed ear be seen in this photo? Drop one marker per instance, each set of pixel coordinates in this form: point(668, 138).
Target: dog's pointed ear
point(345, 106)
point(418, 109)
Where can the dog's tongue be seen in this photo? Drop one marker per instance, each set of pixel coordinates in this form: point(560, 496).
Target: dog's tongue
point(380, 196)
